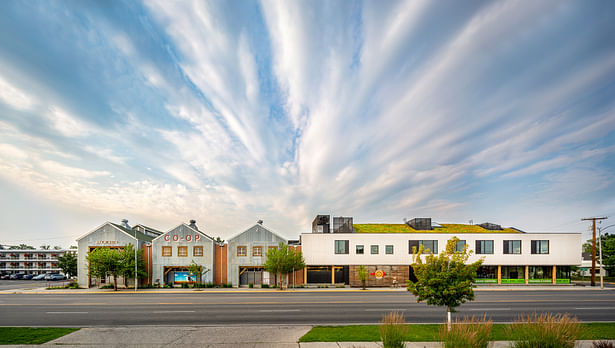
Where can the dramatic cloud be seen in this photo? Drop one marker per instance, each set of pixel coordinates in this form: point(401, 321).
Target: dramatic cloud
point(228, 112)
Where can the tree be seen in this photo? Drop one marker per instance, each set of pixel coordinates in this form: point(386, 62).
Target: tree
point(362, 274)
point(127, 264)
point(73, 247)
point(282, 261)
point(68, 264)
point(608, 251)
point(105, 262)
point(445, 279)
point(198, 270)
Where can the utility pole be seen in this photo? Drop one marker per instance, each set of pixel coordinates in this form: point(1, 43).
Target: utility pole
point(593, 219)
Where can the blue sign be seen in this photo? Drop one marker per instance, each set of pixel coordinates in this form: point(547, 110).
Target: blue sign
point(184, 277)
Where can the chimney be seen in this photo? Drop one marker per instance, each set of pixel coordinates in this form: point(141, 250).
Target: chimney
point(125, 224)
point(193, 224)
point(260, 222)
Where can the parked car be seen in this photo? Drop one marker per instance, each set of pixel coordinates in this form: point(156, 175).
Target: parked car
point(27, 276)
point(16, 276)
point(5, 276)
point(39, 277)
point(56, 277)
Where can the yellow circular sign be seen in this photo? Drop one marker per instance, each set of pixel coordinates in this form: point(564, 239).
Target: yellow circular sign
point(379, 274)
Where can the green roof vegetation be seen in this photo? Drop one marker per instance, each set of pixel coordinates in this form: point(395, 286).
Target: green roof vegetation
point(446, 228)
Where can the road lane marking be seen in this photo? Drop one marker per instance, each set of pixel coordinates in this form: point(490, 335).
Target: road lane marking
point(67, 312)
point(279, 310)
point(596, 308)
point(384, 309)
point(174, 311)
point(489, 309)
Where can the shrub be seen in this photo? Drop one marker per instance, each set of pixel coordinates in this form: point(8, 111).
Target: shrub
point(185, 285)
point(107, 286)
point(467, 333)
point(264, 286)
point(251, 285)
point(544, 330)
point(393, 330)
point(602, 344)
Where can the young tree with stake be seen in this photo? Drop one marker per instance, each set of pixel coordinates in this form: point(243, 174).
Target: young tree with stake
point(445, 279)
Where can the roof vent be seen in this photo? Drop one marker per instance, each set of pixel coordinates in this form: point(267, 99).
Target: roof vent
point(125, 224)
point(193, 224)
point(260, 222)
point(491, 227)
point(422, 224)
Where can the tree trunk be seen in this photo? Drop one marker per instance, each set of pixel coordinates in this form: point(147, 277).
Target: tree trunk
point(114, 282)
point(448, 313)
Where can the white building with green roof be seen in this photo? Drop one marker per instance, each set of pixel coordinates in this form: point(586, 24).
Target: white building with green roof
point(511, 256)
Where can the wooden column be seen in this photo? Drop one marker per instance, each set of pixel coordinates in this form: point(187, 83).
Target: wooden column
point(305, 275)
point(527, 274)
point(554, 275)
point(499, 274)
point(332, 274)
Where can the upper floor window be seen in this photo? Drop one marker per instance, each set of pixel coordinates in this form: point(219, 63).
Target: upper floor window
point(197, 250)
point(461, 244)
point(388, 249)
point(374, 249)
point(484, 247)
point(242, 251)
point(341, 246)
point(512, 247)
point(428, 246)
point(360, 249)
point(257, 251)
point(540, 247)
point(182, 251)
point(167, 251)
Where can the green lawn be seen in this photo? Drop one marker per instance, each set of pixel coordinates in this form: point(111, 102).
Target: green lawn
point(32, 335)
point(429, 333)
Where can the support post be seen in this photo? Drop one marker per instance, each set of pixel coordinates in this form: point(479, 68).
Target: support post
point(332, 274)
point(499, 274)
point(554, 276)
point(527, 274)
point(305, 275)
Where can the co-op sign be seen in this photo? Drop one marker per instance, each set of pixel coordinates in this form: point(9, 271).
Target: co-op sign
point(187, 238)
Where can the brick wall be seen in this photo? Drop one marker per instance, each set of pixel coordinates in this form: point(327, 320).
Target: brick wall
point(401, 273)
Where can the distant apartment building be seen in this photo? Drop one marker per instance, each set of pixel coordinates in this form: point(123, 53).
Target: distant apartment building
point(30, 261)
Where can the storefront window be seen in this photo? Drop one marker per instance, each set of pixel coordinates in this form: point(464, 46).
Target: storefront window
point(487, 272)
point(540, 272)
point(513, 272)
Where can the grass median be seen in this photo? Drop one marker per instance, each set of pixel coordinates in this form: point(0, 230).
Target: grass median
point(429, 333)
point(32, 335)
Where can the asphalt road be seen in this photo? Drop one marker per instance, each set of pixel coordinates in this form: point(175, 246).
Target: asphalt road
point(201, 308)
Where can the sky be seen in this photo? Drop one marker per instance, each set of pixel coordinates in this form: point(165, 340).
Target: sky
point(228, 112)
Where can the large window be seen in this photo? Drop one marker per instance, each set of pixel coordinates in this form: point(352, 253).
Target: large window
point(257, 251)
point(460, 246)
point(242, 251)
point(513, 272)
point(541, 272)
point(197, 250)
point(389, 249)
point(540, 247)
point(182, 251)
point(484, 247)
point(360, 250)
point(167, 251)
point(428, 246)
point(512, 247)
point(341, 247)
point(487, 272)
point(374, 249)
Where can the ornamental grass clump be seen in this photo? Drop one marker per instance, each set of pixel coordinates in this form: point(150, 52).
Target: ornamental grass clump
point(467, 333)
point(393, 330)
point(544, 330)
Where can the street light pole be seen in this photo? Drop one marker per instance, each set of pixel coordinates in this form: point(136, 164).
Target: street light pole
point(136, 277)
point(600, 229)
